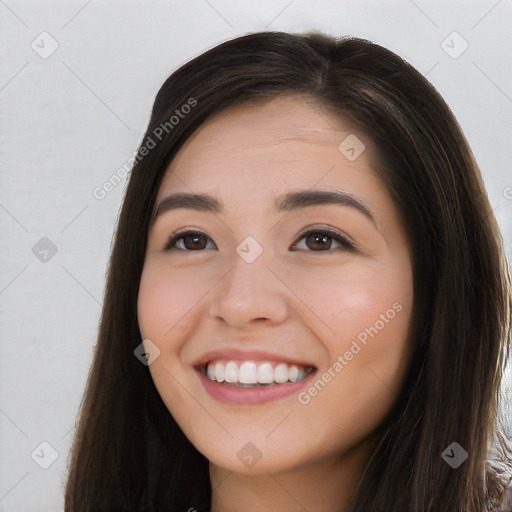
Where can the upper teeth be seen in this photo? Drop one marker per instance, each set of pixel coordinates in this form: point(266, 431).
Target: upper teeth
point(250, 372)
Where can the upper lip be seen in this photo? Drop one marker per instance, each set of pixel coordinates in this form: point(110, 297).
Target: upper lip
point(251, 355)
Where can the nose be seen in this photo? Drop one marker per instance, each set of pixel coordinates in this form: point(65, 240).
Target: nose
point(250, 293)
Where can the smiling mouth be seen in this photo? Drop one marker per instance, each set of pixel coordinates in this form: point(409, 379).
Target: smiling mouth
point(252, 374)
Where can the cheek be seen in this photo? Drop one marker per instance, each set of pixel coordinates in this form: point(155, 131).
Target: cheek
point(356, 391)
point(165, 311)
point(368, 314)
point(169, 305)
point(165, 298)
point(346, 301)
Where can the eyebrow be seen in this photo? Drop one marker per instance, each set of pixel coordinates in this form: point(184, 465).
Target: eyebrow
point(284, 203)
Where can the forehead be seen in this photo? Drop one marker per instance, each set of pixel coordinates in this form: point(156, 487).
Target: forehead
point(287, 137)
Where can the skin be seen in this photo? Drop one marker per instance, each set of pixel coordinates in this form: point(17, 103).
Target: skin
point(309, 303)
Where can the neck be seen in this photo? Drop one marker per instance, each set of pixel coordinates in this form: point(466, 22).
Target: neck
point(318, 487)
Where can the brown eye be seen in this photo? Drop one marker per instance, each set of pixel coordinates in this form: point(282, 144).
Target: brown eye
point(320, 240)
point(315, 242)
point(195, 241)
point(192, 241)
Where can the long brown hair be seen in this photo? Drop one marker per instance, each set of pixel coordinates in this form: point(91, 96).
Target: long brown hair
point(130, 455)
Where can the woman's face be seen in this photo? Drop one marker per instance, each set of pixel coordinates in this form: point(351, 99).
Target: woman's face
point(260, 293)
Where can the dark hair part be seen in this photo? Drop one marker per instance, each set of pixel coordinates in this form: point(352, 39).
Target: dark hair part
point(129, 454)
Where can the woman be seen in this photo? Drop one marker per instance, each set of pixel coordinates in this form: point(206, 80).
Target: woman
point(307, 304)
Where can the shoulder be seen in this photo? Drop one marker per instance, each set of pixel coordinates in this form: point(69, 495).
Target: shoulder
point(504, 501)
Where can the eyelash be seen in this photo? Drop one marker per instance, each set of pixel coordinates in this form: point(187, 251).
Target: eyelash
point(345, 244)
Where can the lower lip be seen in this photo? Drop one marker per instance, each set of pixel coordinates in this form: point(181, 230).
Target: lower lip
point(233, 395)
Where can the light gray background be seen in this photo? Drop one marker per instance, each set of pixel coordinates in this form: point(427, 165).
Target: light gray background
point(72, 119)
